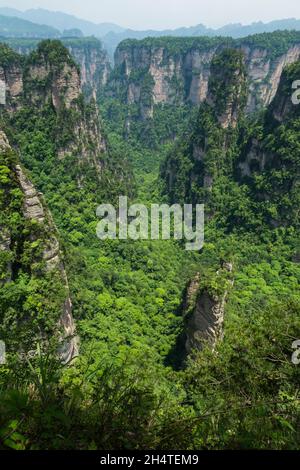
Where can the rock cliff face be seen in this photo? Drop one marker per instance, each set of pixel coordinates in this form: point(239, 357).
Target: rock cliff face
point(264, 73)
point(175, 78)
point(180, 68)
point(93, 62)
point(11, 77)
point(258, 157)
point(272, 153)
point(32, 213)
point(205, 157)
point(205, 313)
point(89, 55)
point(49, 76)
point(227, 153)
point(227, 87)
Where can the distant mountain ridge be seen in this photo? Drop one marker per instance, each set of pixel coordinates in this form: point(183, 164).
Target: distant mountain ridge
point(112, 34)
point(235, 31)
point(63, 21)
point(19, 28)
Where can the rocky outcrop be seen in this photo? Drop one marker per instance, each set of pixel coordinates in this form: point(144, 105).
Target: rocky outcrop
point(227, 87)
point(271, 152)
point(5, 236)
point(88, 54)
point(33, 210)
point(264, 73)
point(176, 77)
point(257, 156)
point(180, 67)
point(11, 78)
point(205, 311)
point(214, 133)
point(50, 75)
point(93, 62)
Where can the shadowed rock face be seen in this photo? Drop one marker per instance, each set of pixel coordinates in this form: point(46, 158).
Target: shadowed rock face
point(34, 210)
point(11, 77)
point(269, 151)
point(94, 66)
point(215, 128)
point(227, 87)
point(204, 323)
point(5, 238)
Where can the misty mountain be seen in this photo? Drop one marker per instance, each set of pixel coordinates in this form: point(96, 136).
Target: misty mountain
point(19, 28)
point(112, 34)
point(63, 21)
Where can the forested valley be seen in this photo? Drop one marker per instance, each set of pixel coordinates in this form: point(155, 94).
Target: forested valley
point(123, 344)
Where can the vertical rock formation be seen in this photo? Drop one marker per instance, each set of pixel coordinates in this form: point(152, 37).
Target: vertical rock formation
point(178, 69)
point(5, 236)
point(94, 64)
point(264, 71)
point(205, 313)
point(11, 77)
point(272, 153)
point(207, 155)
point(89, 55)
point(32, 213)
point(227, 89)
point(166, 72)
point(50, 77)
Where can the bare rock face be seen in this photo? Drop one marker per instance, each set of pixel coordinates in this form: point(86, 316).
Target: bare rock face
point(258, 158)
point(64, 85)
point(4, 144)
point(176, 78)
point(88, 54)
point(33, 208)
point(11, 77)
point(264, 74)
point(182, 76)
point(205, 317)
point(268, 152)
point(94, 65)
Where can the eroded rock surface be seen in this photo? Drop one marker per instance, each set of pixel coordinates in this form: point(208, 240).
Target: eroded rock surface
point(205, 317)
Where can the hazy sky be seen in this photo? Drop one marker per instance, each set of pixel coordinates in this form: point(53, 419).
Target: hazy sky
point(160, 14)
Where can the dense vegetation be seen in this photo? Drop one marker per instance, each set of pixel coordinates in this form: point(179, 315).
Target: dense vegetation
point(31, 300)
point(132, 387)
